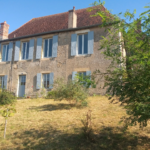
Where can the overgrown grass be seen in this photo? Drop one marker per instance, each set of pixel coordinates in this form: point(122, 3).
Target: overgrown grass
point(44, 124)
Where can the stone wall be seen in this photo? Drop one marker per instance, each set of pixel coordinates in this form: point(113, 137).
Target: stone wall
point(62, 66)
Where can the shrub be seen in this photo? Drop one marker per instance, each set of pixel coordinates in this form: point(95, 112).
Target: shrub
point(73, 92)
point(87, 81)
point(87, 127)
point(6, 97)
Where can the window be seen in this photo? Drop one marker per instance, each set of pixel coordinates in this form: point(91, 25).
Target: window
point(82, 41)
point(25, 50)
point(48, 47)
point(22, 80)
point(82, 74)
point(82, 78)
point(1, 81)
point(5, 52)
point(46, 78)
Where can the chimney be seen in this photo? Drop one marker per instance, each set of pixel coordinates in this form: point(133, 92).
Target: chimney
point(4, 30)
point(72, 19)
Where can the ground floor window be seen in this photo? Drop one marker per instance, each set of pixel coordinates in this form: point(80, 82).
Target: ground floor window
point(46, 78)
point(1, 81)
point(82, 74)
point(23, 80)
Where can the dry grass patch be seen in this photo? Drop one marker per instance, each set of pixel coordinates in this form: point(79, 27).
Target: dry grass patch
point(44, 124)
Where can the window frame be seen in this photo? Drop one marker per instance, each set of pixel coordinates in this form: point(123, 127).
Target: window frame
point(47, 85)
point(82, 73)
point(77, 49)
point(26, 56)
point(48, 48)
point(6, 53)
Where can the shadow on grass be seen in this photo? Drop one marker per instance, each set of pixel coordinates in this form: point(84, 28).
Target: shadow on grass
point(108, 138)
point(52, 107)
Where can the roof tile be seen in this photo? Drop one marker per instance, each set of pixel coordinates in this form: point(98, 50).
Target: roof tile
point(56, 22)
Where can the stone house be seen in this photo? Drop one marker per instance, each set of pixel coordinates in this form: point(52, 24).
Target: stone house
point(46, 48)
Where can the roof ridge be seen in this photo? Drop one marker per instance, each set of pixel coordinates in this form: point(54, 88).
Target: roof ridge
point(61, 13)
point(50, 15)
point(22, 25)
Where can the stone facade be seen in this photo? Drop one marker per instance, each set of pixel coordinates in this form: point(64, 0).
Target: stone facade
point(62, 66)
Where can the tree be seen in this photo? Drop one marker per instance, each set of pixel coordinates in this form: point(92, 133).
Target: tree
point(128, 76)
point(7, 99)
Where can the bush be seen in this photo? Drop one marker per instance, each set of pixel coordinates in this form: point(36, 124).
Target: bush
point(87, 81)
point(6, 97)
point(73, 92)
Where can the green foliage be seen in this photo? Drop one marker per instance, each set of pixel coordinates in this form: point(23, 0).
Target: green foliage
point(6, 97)
point(86, 81)
point(128, 76)
point(8, 112)
point(43, 92)
point(71, 91)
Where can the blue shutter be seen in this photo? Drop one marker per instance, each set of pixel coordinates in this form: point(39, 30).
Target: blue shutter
point(55, 46)
point(74, 75)
point(88, 73)
point(31, 49)
point(38, 81)
point(4, 53)
point(90, 42)
point(10, 51)
point(0, 50)
point(73, 44)
point(17, 51)
point(22, 51)
point(5, 81)
point(38, 48)
point(51, 78)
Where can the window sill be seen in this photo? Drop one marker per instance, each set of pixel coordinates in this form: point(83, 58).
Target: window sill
point(83, 55)
point(48, 58)
point(4, 62)
point(24, 60)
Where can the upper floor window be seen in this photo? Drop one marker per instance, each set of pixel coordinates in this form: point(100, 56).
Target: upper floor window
point(2, 82)
point(5, 52)
point(48, 43)
point(82, 44)
point(25, 50)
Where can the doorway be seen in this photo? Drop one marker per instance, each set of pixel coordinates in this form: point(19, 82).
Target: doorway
point(22, 83)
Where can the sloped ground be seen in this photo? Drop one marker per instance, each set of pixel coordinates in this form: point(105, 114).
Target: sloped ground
point(43, 124)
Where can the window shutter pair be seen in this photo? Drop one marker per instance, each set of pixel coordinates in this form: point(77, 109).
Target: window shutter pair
point(54, 47)
point(74, 43)
point(39, 77)
point(17, 50)
point(88, 73)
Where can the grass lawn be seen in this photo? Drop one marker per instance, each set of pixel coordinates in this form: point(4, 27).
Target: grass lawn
point(42, 124)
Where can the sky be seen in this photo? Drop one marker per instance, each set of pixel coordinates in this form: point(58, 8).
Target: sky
point(18, 12)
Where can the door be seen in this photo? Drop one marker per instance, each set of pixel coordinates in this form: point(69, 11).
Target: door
point(22, 83)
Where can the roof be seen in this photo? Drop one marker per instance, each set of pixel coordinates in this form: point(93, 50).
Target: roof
point(56, 22)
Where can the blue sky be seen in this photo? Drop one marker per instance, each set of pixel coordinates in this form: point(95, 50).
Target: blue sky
point(18, 12)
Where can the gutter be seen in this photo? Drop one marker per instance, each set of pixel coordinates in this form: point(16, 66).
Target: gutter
point(50, 32)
